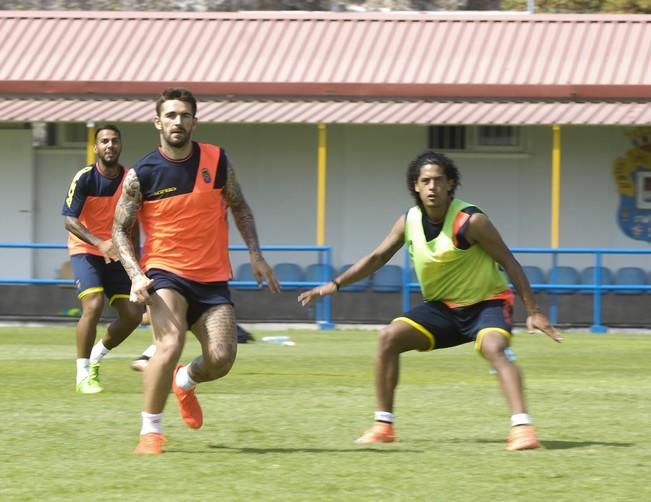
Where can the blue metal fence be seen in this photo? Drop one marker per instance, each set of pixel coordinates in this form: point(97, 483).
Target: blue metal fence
point(323, 315)
point(323, 307)
point(597, 288)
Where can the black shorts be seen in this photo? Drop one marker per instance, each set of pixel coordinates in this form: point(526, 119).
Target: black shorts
point(93, 275)
point(447, 327)
point(200, 296)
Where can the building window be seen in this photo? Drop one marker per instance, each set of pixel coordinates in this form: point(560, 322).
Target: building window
point(71, 134)
point(447, 137)
point(497, 136)
point(494, 138)
point(43, 134)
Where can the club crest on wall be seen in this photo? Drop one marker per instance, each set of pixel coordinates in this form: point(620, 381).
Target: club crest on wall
point(632, 173)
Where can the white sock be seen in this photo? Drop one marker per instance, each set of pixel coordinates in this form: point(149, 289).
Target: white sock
point(149, 351)
point(183, 379)
point(151, 422)
point(98, 352)
point(82, 369)
point(383, 416)
point(520, 419)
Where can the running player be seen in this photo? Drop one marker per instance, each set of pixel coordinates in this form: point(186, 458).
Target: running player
point(181, 192)
point(88, 211)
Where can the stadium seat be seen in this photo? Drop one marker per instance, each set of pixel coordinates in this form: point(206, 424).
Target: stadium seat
point(287, 273)
point(630, 276)
point(534, 274)
point(319, 272)
point(244, 273)
point(387, 279)
point(563, 275)
point(361, 285)
point(587, 277)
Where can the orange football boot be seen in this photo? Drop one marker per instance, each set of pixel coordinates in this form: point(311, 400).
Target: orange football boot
point(522, 437)
point(189, 406)
point(381, 432)
point(150, 444)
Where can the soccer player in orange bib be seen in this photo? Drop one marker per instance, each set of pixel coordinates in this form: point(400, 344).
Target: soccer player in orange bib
point(459, 259)
point(88, 212)
point(180, 192)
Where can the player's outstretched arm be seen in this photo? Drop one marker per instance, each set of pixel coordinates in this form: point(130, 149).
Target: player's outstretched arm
point(124, 223)
point(482, 232)
point(245, 223)
point(364, 267)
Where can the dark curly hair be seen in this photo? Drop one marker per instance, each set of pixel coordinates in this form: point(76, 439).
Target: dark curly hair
point(109, 127)
point(176, 93)
point(426, 158)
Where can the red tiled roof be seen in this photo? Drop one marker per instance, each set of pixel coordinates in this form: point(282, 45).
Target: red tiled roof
point(327, 54)
point(309, 67)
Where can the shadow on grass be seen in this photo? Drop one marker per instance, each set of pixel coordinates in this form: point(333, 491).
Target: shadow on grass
point(564, 445)
point(292, 374)
point(555, 444)
point(361, 449)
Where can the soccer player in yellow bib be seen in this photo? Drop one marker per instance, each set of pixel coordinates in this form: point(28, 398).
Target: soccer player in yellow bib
point(459, 258)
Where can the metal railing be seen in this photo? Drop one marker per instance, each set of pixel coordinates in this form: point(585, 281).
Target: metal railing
point(323, 310)
point(597, 288)
point(323, 315)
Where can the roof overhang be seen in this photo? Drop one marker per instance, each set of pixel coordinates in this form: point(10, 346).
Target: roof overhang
point(349, 110)
point(327, 89)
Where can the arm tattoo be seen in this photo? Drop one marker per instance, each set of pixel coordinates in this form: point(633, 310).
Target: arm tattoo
point(241, 213)
point(125, 221)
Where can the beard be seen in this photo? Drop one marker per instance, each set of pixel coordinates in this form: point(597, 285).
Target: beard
point(179, 140)
point(112, 162)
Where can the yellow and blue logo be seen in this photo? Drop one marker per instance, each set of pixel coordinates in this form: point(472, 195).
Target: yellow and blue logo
point(632, 173)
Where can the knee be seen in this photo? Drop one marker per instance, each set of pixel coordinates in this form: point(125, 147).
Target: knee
point(168, 351)
point(492, 348)
point(218, 364)
point(388, 339)
point(93, 306)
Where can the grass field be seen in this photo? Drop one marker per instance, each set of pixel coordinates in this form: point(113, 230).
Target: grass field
point(280, 426)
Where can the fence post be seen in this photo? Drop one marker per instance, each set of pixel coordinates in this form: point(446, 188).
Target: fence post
point(597, 327)
point(326, 302)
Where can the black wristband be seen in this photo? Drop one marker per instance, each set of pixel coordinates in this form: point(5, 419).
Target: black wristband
point(337, 285)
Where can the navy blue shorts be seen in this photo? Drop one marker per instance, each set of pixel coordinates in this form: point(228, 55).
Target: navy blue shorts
point(200, 296)
point(93, 275)
point(447, 327)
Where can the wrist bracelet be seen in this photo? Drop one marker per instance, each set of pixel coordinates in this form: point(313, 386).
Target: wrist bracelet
point(337, 285)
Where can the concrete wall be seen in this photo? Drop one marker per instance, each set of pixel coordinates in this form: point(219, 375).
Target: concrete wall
point(54, 171)
point(16, 201)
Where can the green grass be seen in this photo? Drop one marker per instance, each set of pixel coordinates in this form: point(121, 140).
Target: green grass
point(281, 425)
